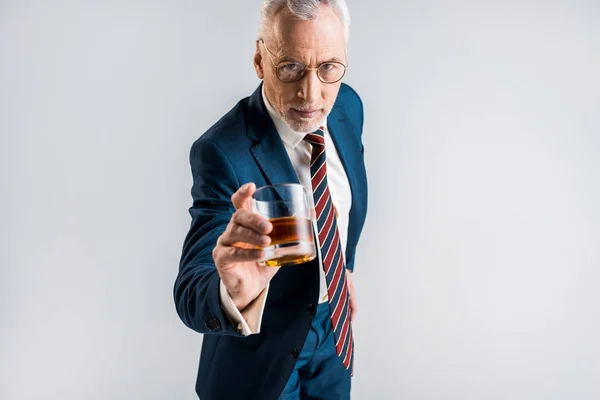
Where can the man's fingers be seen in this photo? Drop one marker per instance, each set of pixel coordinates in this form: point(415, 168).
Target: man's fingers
point(231, 255)
point(352, 296)
point(252, 220)
point(245, 231)
point(353, 306)
point(236, 234)
point(242, 198)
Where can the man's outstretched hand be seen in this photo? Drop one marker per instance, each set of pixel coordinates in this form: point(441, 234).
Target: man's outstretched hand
point(238, 250)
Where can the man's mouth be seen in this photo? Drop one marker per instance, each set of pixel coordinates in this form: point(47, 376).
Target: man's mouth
point(307, 114)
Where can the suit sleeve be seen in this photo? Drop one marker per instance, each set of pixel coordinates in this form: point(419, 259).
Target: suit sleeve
point(248, 321)
point(197, 287)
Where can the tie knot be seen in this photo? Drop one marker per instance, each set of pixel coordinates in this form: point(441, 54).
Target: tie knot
point(317, 138)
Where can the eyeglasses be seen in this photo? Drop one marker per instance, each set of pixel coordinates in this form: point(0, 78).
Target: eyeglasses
point(293, 71)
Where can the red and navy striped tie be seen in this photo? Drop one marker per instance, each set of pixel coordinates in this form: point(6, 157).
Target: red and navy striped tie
point(331, 251)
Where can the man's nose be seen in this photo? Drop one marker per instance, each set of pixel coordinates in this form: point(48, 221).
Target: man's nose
point(310, 87)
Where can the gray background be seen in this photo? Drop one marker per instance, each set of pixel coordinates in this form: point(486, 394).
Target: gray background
point(478, 273)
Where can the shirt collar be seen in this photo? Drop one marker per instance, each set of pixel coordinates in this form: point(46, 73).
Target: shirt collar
point(288, 136)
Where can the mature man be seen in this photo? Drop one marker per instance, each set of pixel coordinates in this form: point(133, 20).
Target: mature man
point(278, 333)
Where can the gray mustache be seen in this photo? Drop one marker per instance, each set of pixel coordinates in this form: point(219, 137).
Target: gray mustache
point(306, 107)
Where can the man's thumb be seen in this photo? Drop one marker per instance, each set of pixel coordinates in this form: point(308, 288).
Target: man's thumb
point(242, 198)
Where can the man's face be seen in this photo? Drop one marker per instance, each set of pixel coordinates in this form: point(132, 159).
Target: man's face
point(305, 103)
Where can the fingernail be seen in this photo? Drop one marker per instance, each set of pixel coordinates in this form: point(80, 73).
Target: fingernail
point(263, 225)
point(245, 187)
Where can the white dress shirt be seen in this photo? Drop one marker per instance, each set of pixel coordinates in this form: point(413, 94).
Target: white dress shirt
point(299, 152)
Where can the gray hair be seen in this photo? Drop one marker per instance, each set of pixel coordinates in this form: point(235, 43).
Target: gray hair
point(303, 9)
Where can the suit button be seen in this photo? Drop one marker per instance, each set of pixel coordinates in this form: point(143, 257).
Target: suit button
point(311, 308)
point(294, 353)
point(213, 324)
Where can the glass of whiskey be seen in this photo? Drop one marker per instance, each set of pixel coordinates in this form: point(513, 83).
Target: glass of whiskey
point(287, 207)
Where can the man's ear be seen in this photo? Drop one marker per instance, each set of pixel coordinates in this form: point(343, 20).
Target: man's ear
point(258, 60)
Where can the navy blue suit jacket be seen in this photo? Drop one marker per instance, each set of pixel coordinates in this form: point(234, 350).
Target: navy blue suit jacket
point(242, 147)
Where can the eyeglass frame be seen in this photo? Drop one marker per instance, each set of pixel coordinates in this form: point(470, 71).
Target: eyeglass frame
point(271, 55)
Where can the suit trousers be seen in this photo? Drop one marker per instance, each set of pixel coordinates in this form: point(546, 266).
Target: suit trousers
point(319, 373)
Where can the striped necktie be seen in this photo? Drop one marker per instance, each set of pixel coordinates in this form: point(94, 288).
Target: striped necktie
point(331, 251)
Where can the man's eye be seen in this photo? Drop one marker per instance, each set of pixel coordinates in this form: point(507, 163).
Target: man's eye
point(292, 67)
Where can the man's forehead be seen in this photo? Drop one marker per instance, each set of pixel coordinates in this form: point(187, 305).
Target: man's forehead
point(325, 31)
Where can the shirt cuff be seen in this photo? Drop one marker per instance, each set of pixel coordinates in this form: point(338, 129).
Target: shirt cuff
point(248, 321)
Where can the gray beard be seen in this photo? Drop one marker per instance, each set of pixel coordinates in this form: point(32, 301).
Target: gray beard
point(303, 127)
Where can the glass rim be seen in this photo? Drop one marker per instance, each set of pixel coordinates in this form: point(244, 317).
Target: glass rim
point(274, 186)
point(278, 185)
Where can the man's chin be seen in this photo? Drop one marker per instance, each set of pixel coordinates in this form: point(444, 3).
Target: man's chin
point(304, 125)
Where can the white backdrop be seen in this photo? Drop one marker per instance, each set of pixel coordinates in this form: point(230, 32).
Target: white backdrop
point(478, 271)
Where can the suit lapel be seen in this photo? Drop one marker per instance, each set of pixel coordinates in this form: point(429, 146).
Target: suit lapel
point(269, 150)
point(349, 150)
point(346, 145)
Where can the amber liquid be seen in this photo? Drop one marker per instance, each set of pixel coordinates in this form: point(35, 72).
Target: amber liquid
point(291, 242)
